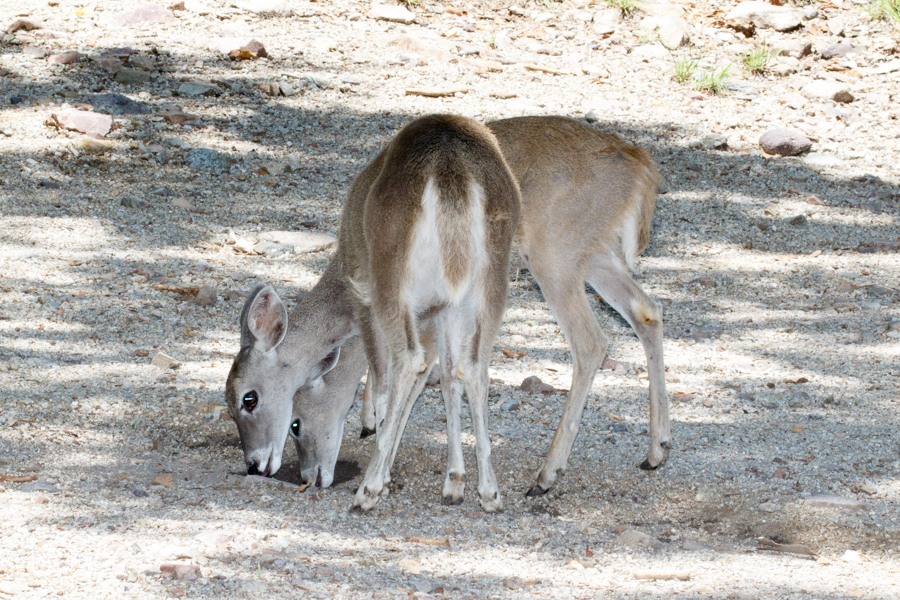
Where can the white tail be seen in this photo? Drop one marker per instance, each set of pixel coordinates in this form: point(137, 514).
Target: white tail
point(587, 203)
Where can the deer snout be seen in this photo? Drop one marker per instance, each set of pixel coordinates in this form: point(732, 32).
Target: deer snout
point(253, 469)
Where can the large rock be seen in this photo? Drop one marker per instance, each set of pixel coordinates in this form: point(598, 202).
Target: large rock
point(784, 142)
point(766, 16)
point(397, 14)
point(90, 123)
point(827, 90)
point(793, 47)
point(142, 15)
point(841, 49)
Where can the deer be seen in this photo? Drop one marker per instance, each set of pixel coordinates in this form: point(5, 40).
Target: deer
point(587, 203)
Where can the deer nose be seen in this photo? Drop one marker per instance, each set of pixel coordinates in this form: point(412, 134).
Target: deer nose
point(253, 469)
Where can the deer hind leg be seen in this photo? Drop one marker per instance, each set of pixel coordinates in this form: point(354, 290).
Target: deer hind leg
point(612, 281)
point(588, 344)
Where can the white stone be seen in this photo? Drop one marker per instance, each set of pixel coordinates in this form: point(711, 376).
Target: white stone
point(391, 13)
point(766, 16)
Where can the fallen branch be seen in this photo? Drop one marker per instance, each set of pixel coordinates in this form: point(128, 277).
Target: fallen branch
point(436, 92)
point(767, 544)
point(413, 539)
point(530, 67)
point(663, 575)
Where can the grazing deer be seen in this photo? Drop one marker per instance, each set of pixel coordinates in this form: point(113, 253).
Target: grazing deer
point(587, 203)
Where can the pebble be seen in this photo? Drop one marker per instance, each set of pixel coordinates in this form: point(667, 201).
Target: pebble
point(840, 50)
point(784, 142)
point(606, 20)
point(10, 588)
point(65, 58)
point(410, 564)
point(511, 405)
point(818, 160)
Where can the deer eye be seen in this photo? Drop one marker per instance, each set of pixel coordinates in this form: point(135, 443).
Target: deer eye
point(295, 428)
point(250, 401)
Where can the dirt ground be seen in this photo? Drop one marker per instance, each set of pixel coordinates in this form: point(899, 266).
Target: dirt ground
point(778, 277)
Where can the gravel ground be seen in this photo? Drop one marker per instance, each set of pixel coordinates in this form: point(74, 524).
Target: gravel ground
point(778, 278)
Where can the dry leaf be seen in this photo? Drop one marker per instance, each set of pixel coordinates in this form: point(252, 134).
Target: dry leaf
point(512, 353)
point(413, 539)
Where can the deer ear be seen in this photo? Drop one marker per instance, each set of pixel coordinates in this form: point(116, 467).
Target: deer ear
point(326, 364)
point(264, 319)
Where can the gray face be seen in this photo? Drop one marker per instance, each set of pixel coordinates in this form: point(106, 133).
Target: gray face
point(320, 410)
point(259, 399)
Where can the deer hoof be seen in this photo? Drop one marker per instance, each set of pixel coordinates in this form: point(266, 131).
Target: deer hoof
point(536, 491)
point(366, 432)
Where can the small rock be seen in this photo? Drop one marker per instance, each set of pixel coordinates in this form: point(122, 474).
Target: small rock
point(816, 160)
point(267, 248)
point(840, 50)
point(213, 537)
point(164, 361)
point(40, 486)
point(90, 123)
point(135, 202)
point(25, 25)
point(131, 76)
point(835, 25)
point(714, 141)
point(534, 385)
point(769, 507)
point(206, 159)
point(834, 501)
point(510, 405)
point(89, 145)
point(827, 90)
point(796, 221)
point(784, 142)
point(793, 47)
point(852, 556)
point(176, 117)
point(116, 104)
point(165, 480)
point(300, 242)
point(591, 117)
point(198, 88)
point(766, 16)
point(423, 585)
point(251, 50)
point(810, 12)
point(181, 572)
point(65, 58)
point(269, 8)
point(139, 492)
point(693, 546)
point(673, 31)
point(410, 564)
point(148, 13)
point(888, 67)
point(397, 14)
point(33, 52)
point(637, 539)
point(277, 88)
point(182, 203)
point(206, 296)
point(10, 588)
point(606, 20)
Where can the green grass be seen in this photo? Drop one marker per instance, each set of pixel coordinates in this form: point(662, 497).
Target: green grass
point(685, 67)
point(884, 10)
point(646, 36)
point(626, 6)
point(757, 60)
point(712, 82)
